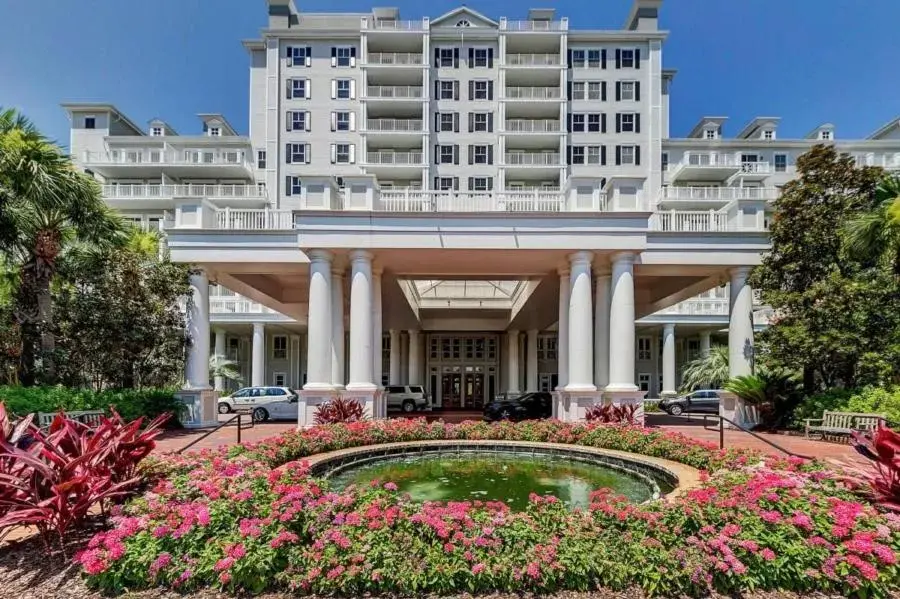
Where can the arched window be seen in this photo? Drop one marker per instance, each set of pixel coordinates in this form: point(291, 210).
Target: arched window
point(463, 23)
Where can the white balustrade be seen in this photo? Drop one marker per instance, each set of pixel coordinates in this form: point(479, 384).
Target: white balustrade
point(395, 58)
point(532, 158)
point(236, 305)
point(532, 93)
point(756, 167)
point(448, 201)
point(396, 158)
point(127, 190)
point(394, 91)
point(532, 126)
point(708, 159)
point(887, 161)
point(395, 125)
point(533, 60)
point(690, 221)
point(254, 219)
point(723, 194)
point(396, 25)
point(698, 306)
point(159, 156)
point(535, 26)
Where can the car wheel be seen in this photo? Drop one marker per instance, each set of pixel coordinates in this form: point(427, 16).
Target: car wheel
point(408, 406)
point(676, 410)
point(260, 415)
point(224, 408)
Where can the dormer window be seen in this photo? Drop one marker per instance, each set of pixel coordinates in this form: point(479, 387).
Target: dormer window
point(90, 122)
point(463, 23)
point(711, 134)
point(156, 131)
point(825, 135)
point(768, 135)
point(215, 132)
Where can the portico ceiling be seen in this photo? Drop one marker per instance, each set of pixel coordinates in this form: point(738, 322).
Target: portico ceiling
point(468, 289)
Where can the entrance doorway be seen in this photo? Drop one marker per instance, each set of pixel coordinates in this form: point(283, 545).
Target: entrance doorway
point(463, 388)
point(463, 369)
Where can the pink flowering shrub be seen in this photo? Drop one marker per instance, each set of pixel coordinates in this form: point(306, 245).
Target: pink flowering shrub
point(250, 518)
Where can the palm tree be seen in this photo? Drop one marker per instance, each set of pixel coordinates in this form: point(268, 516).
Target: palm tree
point(45, 203)
point(875, 235)
point(709, 371)
point(220, 366)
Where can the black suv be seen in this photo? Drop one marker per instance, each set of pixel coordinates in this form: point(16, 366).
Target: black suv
point(706, 401)
point(538, 404)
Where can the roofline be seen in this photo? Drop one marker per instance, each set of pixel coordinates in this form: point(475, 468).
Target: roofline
point(467, 9)
point(704, 119)
point(894, 122)
point(812, 134)
point(220, 116)
point(779, 143)
point(101, 107)
point(755, 123)
point(251, 45)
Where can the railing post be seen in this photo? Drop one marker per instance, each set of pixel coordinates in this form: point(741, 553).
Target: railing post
point(265, 223)
point(239, 416)
point(227, 217)
point(721, 433)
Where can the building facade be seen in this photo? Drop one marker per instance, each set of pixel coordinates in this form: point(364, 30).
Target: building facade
point(473, 204)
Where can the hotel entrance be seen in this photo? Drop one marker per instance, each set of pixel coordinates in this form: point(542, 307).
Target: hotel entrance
point(463, 370)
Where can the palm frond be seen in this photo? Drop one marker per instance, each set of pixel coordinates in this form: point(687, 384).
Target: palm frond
point(709, 371)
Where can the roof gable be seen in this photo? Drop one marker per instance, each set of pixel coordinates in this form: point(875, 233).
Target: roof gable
point(888, 131)
point(463, 17)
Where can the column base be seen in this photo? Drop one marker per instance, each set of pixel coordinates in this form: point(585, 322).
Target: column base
point(738, 411)
point(199, 409)
point(367, 396)
point(627, 395)
point(580, 400)
point(313, 396)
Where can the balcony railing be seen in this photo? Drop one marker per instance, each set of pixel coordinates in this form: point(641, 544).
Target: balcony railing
point(395, 58)
point(533, 60)
point(259, 219)
point(397, 158)
point(446, 201)
point(689, 221)
point(888, 161)
point(395, 125)
point(394, 91)
point(532, 158)
point(707, 159)
point(158, 156)
point(236, 305)
point(717, 194)
point(533, 126)
point(535, 26)
point(699, 306)
point(756, 167)
point(183, 190)
point(394, 25)
point(533, 93)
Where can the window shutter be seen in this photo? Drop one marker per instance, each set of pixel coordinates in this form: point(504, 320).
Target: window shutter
point(333, 153)
point(353, 56)
point(569, 122)
point(471, 183)
point(456, 122)
point(289, 54)
point(490, 154)
point(437, 183)
point(288, 120)
point(603, 59)
point(334, 121)
point(333, 89)
point(471, 57)
point(333, 56)
point(287, 153)
point(437, 57)
point(437, 154)
point(309, 56)
point(307, 153)
point(603, 91)
point(455, 58)
point(287, 185)
point(603, 123)
point(353, 89)
point(637, 58)
point(456, 90)
point(289, 90)
point(471, 122)
point(569, 154)
point(308, 87)
point(455, 183)
point(455, 153)
point(637, 91)
point(437, 89)
point(352, 153)
point(490, 122)
point(353, 121)
point(637, 155)
point(471, 90)
point(618, 58)
point(618, 91)
point(471, 155)
point(437, 121)
point(490, 183)
point(490, 90)
point(569, 59)
point(602, 155)
point(618, 155)
point(637, 123)
point(307, 120)
point(569, 91)
point(490, 58)
point(618, 123)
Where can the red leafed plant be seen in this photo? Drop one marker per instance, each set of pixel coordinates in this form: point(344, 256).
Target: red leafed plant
point(611, 414)
point(52, 479)
point(882, 446)
point(339, 410)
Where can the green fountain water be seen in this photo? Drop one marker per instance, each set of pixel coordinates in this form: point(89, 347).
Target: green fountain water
point(507, 477)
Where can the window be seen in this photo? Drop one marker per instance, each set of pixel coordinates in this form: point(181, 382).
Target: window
point(710, 134)
point(626, 91)
point(480, 90)
point(260, 159)
point(297, 153)
point(342, 89)
point(447, 90)
point(156, 131)
point(480, 154)
point(644, 382)
point(297, 120)
point(665, 161)
point(627, 122)
point(447, 121)
point(463, 23)
point(595, 90)
point(299, 88)
point(445, 155)
point(768, 135)
point(578, 122)
point(215, 132)
point(299, 56)
point(481, 57)
point(90, 122)
point(627, 154)
point(342, 121)
point(279, 347)
point(577, 154)
point(594, 123)
point(480, 121)
point(628, 61)
point(824, 134)
point(445, 183)
point(780, 163)
point(480, 184)
point(342, 153)
point(344, 56)
point(446, 57)
point(643, 348)
point(578, 90)
point(593, 58)
point(280, 381)
point(294, 186)
point(578, 58)
point(593, 155)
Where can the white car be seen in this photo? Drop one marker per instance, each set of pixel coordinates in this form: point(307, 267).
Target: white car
point(263, 403)
point(408, 398)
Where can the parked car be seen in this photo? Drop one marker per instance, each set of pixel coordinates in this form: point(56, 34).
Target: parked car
point(703, 401)
point(263, 403)
point(407, 398)
point(529, 406)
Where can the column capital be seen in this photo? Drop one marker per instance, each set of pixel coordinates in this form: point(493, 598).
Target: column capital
point(337, 272)
point(603, 270)
point(512, 332)
point(377, 270)
point(581, 258)
point(740, 272)
point(259, 326)
point(219, 331)
point(320, 256)
point(563, 271)
point(669, 326)
point(361, 256)
point(623, 258)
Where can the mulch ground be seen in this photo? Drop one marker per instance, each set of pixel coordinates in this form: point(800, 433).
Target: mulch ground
point(27, 571)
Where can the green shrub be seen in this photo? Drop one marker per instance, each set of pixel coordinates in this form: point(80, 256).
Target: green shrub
point(876, 400)
point(813, 406)
point(130, 403)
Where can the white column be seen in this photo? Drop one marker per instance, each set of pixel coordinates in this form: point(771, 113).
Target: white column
point(377, 356)
point(337, 329)
point(258, 360)
point(512, 362)
point(318, 337)
point(562, 340)
point(414, 352)
point(581, 331)
point(220, 355)
point(601, 329)
point(740, 324)
point(361, 321)
point(197, 363)
point(531, 360)
point(404, 359)
point(395, 357)
point(621, 324)
point(295, 361)
point(704, 343)
point(668, 357)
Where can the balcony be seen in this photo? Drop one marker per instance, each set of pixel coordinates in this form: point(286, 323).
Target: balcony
point(235, 304)
point(393, 25)
point(532, 159)
point(395, 158)
point(712, 197)
point(146, 196)
point(395, 92)
point(698, 306)
point(532, 93)
point(472, 202)
point(254, 219)
point(534, 25)
point(689, 221)
point(395, 126)
point(704, 166)
point(532, 126)
point(177, 163)
point(395, 59)
point(889, 162)
point(753, 171)
point(533, 60)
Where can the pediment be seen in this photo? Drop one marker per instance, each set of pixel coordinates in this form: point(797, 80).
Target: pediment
point(464, 17)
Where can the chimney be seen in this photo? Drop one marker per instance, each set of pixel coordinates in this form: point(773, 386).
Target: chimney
point(644, 16)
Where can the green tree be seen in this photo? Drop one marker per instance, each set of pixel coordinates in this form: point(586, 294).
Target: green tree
point(45, 203)
point(835, 317)
point(874, 235)
point(221, 366)
point(708, 371)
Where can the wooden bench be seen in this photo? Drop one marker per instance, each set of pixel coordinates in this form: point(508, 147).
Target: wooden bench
point(89, 417)
point(843, 423)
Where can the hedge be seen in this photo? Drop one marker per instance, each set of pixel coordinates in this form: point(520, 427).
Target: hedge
point(129, 403)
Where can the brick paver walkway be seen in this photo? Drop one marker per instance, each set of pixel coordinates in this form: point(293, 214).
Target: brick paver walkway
point(837, 454)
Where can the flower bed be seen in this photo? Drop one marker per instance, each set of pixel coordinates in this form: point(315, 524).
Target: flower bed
point(251, 518)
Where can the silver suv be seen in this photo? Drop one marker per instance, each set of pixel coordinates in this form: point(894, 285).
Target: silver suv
point(407, 398)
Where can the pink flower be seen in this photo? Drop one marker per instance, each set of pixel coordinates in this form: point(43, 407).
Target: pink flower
point(223, 564)
point(478, 569)
point(767, 554)
point(224, 578)
point(390, 486)
point(770, 516)
point(533, 570)
point(801, 520)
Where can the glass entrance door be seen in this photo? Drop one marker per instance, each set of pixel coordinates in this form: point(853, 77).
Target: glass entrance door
point(451, 390)
point(474, 390)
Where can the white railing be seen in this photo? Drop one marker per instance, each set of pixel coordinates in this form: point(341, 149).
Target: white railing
point(400, 158)
point(396, 25)
point(532, 93)
point(888, 161)
point(689, 221)
point(534, 26)
point(533, 126)
point(127, 190)
point(533, 60)
point(254, 219)
point(236, 305)
point(395, 125)
point(394, 91)
point(721, 194)
point(395, 58)
point(756, 167)
point(532, 158)
point(448, 201)
point(707, 159)
point(698, 306)
point(158, 156)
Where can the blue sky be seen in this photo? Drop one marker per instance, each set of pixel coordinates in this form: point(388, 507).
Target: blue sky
point(807, 61)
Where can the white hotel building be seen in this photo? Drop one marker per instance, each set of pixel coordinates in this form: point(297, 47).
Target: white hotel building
point(478, 205)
